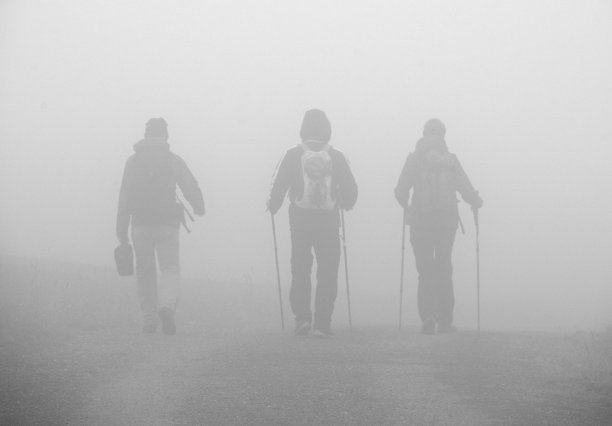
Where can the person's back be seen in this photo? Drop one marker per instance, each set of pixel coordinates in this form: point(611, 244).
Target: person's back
point(153, 184)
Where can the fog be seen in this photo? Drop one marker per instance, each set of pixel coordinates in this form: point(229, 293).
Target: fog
point(524, 88)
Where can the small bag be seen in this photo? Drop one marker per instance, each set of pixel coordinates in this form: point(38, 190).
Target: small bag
point(317, 176)
point(124, 259)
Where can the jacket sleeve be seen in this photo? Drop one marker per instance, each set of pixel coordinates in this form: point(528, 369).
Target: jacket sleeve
point(281, 181)
point(465, 188)
point(189, 186)
point(123, 212)
point(348, 191)
point(405, 182)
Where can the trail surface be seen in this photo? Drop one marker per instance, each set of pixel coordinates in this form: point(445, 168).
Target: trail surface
point(116, 376)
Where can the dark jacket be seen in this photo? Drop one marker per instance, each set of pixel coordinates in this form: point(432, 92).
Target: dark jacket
point(435, 175)
point(148, 187)
point(289, 177)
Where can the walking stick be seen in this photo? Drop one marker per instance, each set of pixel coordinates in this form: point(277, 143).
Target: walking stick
point(402, 268)
point(280, 297)
point(475, 211)
point(183, 220)
point(346, 274)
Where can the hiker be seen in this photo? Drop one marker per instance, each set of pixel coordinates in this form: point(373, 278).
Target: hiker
point(320, 183)
point(434, 175)
point(149, 201)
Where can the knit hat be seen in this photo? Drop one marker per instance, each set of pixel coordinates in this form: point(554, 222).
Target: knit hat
point(156, 127)
point(434, 127)
point(315, 126)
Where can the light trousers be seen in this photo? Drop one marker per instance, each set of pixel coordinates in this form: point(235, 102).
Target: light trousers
point(153, 246)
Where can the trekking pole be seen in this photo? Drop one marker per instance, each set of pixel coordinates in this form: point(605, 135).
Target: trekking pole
point(346, 274)
point(402, 268)
point(280, 297)
point(183, 220)
point(461, 224)
point(475, 211)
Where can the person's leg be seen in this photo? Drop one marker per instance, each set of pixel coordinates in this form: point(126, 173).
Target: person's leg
point(327, 251)
point(167, 248)
point(445, 238)
point(146, 275)
point(301, 267)
point(422, 246)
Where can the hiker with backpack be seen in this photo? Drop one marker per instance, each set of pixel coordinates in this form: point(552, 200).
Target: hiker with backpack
point(435, 176)
point(148, 201)
point(319, 183)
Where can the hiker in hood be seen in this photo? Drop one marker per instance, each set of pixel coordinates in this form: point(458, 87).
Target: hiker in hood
point(148, 201)
point(434, 175)
point(319, 183)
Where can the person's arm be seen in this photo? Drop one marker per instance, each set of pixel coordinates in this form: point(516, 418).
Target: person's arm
point(465, 187)
point(405, 182)
point(189, 186)
point(123, 213)
point(348, 190)
point(281, 181)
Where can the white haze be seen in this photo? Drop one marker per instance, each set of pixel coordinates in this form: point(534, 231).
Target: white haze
point(524, 87)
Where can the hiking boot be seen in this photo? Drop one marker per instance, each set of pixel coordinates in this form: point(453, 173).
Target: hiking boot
point(323, 333)
point(302, 328)
point(167, 320)
point(447, 329)
point(149, 328)
point(428, 327)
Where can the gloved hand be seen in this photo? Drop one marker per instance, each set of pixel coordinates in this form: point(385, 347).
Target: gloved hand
point(344, 207)
point(272, 208)
point(477, 203)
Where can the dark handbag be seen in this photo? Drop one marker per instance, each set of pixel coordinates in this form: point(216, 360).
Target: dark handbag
point(124, 259)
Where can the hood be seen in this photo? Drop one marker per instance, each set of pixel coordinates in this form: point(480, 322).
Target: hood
point(433, 127)
point(315, 125)
point(156, 127)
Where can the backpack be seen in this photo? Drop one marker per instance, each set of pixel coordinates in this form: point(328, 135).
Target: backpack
point(435, 186)
point(153, 190)
point(317, 177)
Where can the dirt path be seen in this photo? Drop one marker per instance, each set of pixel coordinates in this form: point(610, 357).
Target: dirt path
point(261, 377)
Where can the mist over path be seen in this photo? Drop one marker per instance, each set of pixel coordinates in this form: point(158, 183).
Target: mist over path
point(262, 377)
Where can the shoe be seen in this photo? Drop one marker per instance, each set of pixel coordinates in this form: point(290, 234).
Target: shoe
point(167, 321)
point(447, 329)
point(302, 328)
point(323, 333)
point(428, 327)
point(149, 328)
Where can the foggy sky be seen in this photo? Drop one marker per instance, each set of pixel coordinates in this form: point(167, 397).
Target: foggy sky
point(524, 88)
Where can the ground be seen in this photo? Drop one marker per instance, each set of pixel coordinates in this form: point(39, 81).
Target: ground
point(238, 370)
